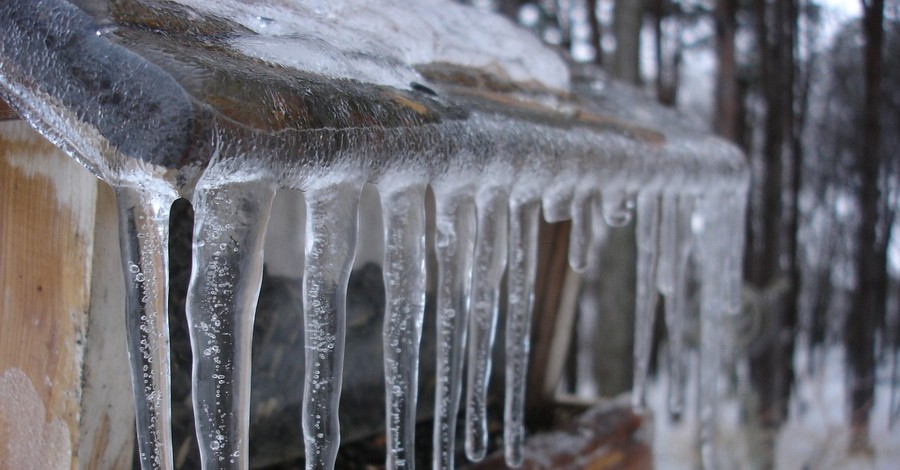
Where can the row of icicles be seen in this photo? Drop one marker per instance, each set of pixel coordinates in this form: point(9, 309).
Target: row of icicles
point(478, 237)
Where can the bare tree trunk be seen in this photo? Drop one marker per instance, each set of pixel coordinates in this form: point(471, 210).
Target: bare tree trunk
point(508, 8)
point(772, 369)
point(869, 297)
point(627, 18)
point(668, 53)
point(728, 121)
point(802, 82)
point(596, 31)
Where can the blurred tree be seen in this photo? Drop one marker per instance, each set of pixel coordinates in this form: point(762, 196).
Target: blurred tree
point(627, 21)
point(871, 246)
point(772, 360)
point(729, 118)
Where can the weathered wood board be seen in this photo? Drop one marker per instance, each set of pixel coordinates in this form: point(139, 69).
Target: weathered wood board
point(48, 207)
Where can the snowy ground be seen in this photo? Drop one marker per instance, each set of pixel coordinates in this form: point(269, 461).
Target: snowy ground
point(815, 437)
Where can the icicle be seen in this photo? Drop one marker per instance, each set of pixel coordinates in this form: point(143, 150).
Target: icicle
point(617, 208)
point(580, 236)
point(331, 224)
point(713, 265)
point(523, 241)
point(404, 285)
point(557, 205)
point(672, 279)
point(734, 207)
point(229, 229)
point(490, 262)
point(668, 245)
point(144, 241)
point(599, 232)
point(647, 236)
point(454, 242)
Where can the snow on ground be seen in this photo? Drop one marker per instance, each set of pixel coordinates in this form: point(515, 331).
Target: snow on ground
point(815, 437)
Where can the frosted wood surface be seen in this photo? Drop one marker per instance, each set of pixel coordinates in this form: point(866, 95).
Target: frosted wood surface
point(46, 241)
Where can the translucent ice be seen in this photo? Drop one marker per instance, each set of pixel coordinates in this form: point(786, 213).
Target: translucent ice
point(380, 42)
point(404, 284)
point(647, 236)
point(675, 248)
point(490, 263)
point(523, 234)
point(144, 234)
point(229, 229)
point(226, 102)
point(454, 242)
point(331, 215)
point(581, 238)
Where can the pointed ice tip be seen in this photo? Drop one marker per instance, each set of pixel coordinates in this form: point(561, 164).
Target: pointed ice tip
point(513, 459)
point(475, 452)
point(579, 266)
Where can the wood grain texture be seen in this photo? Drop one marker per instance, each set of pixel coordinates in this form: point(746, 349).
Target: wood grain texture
point(7, 113)
point(46, 241)
point(549, 286)
point(605, 437)
point(107, 409)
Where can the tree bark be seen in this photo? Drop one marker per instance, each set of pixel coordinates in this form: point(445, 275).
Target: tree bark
point(869, 297)
point(801, 81)
point(772, 370)
point(596, 31)
point(728, 120)
point(668, 52)
point(628, 15)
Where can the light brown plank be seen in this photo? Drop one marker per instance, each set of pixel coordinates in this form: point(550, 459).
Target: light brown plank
point(46, 240)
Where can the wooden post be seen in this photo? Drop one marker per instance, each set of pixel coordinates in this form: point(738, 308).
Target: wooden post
point(47, 233)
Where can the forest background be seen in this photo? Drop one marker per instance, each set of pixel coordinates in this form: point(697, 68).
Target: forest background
point(809, 90)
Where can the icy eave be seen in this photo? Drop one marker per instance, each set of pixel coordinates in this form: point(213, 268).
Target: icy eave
point(168, 83)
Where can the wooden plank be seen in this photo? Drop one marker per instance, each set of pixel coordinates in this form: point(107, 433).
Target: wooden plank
point(7, 113)
point(107, 409)
point(606, 437)
point(46, 241)
point(553, 264)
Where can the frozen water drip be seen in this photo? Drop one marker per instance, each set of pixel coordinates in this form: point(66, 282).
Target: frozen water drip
point(244, 106)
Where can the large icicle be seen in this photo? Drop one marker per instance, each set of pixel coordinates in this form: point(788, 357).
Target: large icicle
point(581, 235)
point(490, 262)
point(647, 236)
point(672, 280)
point(229, 229)
point(717, 280)
point(454, 240)
point(404, 285)
point(734, 223)
point(523, 241)
point(331, 224)
point(144, 241)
